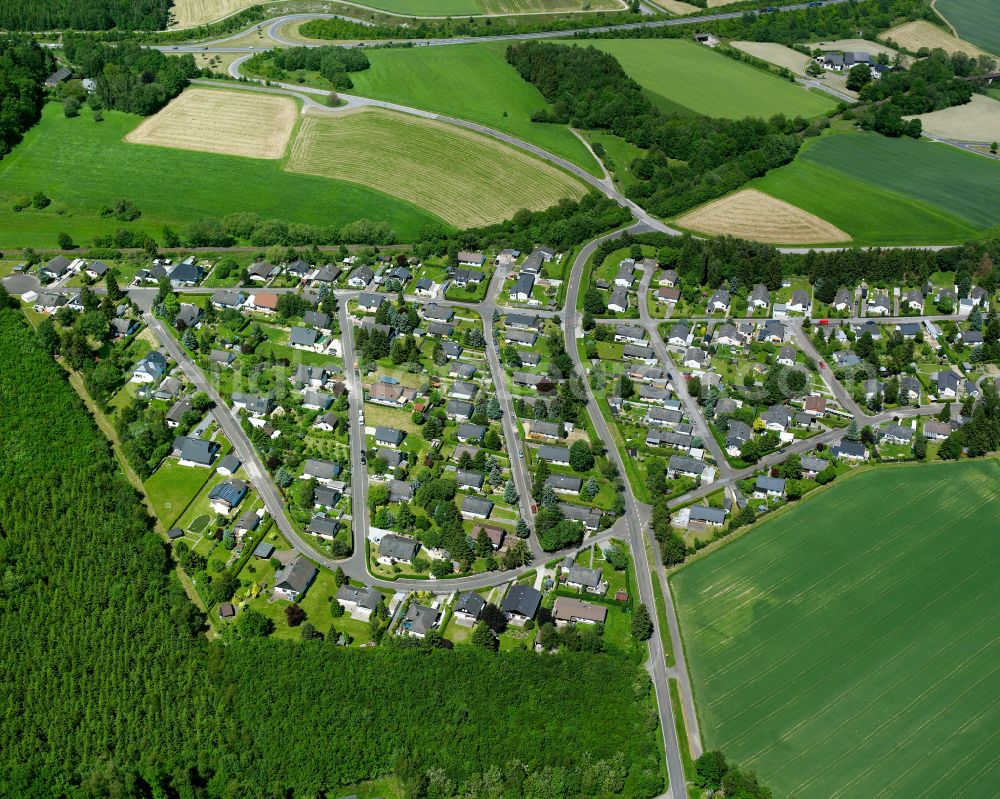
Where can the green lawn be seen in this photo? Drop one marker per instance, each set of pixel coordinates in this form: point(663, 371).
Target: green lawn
point(683, 77)
point(172, 487)
point(891, 191)
point(469, 81)
point(618, 155)
point(82, 165)
point(850, 647)
point(977, 21)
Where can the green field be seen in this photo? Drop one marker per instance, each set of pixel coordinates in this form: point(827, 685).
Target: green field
point(977, 21)
point(891, 191)
point(851, 647)
point(469, 81)
point(683, 77)
point(83, 165)
point(172, 487)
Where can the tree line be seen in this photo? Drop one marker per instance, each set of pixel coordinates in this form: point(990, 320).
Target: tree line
point(24, 66)
point(333, 63)
point(588, 89)
point(111, 690)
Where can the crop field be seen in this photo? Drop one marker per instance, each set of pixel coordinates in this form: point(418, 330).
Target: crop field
point(977, 121)
point(499, 7)
point(891, 191)
point(977, 21)
point(82, 165)
point(681, 76)
point(192, 13)
point(470, 81)
point(462, 177)
point(229, 123)
point(678, 7)
point(774, 53)
point(751, 214)
point(851, 647)
point(914, 35)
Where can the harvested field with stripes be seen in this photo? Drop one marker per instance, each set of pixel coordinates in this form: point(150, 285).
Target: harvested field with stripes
point(460, 176)
point(914, 35)
point(751, 214)
point(217, 121)
point(976, 121)
point(851, 646)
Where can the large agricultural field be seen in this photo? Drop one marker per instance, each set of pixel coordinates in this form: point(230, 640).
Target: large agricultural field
point(683, 77)
point(891, 191)
point(460, 176)
point(82, 165)
point(469, 81)
point(218, 121)
point(918, 34)
point(976, 121)
point(751, 214)
point(192, 13)
point(977, 21)
point(850, 647)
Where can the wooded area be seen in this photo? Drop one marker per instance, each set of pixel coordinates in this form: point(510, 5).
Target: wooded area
point(47, 15)
point(110, 690)
point(589, 90)
point(24, 66)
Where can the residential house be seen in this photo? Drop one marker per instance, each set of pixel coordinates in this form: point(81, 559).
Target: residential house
point(663, 417)
point(463, 390)
point(471, 258)
point(468, 608)
point(522, 288)
point(55, 269)
point(465, 278)
point(736, 436)
point(909, 389)
point(323, 527)
point(815, 405)
point(850, 450)
point(294, 579)
point(937, 431)
point(437, 313)
point(581, 578)
point(476, 508)
point(786, 356)
point(880, 306)
point(425, 288)
point(777, 418)
point(222, 357)
point(188, 315)
point(247, 523)
point(668, 278)
point(359, 603)
point(228, 465)
point(760, 297)
point(397, 549)
point(304, 338)
point(719, 302)
point(150, 369)
point(639, 353)
point(471, 432)
point(520, 337)
point(255, 405)
point(228, 298)
point(569, 610)
point(96, 270)
point(176, 414)
point(768, 487)
point(262, 271)
point(947, 385)
point(195, 451)
point(686, 467)
point(800, 302)
point(914, 300)
point(536, 428)
point(556, 455)
point(322, 471)
point(728, 335)
point(625, 276)
point(459, 410)
point(313, 400)
point(590, 518)
point(670, 296)
point(389, 436)
point(896, 434)
point(521, 604)
point(225, 496)
point(705, 516)
point(369, 302)
point(452, 351)
point(523, 321)
point(679, 336)
point(811, 465)
point(630, 334)
point(419, 620)
point(695, 358)
point(564, 483)
point(619, 300)
point(469, 479)
point(361, 277)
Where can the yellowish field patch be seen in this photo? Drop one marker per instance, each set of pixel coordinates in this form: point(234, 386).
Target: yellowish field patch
point(227, 122)
point(858, 45)
point(914, 35)
point(677, 6)
point(501, 7)
point(191, 13)
point(776, 54)
point(460, 176)
point(751, 214)
point(976, 121)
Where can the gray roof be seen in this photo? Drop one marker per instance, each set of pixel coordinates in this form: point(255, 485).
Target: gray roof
point(196, 450)
point(526, 321)
point(398, 547)
point(296, 576)
point(688, 465)
point(367, 299)
point(176, 413)
point(619, 298)
point(848, 447)
point(229, 462)
point(472, 431)
point(813, 464)
point(522, 600)
point(521, 336)
point(368, 598)
point(547, 452)
point(524, 284)
point(475, 505)
point(470, 603)
point(264, 550)
point(305, 336)
point(765, 483)
point(400, 491)
point(317, 319)
point(222, 356)
point(320, 525)
point(703, 513)
point(590, 578)
point(461, 388)
point(420, 618)
point(389, 435)
point(564, 482)
point(469, 478)
point(323, 470)
point(248, 521)
point(437, 313)
point(459, 408)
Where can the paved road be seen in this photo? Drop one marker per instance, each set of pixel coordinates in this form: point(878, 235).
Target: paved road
point(218, 45)
point(637, 542)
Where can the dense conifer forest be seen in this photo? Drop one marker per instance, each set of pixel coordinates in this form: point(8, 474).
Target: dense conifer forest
point(92, 15)
point(111, 690)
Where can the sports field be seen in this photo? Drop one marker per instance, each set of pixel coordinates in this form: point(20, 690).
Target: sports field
point(465, 178)
point(891, 191)
point(680, 76)
point(751, 214)
point(977, 21)
point(469, 81)
point(921, 33)
point(82, 165)
point(851, 647)
point(214, 121)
